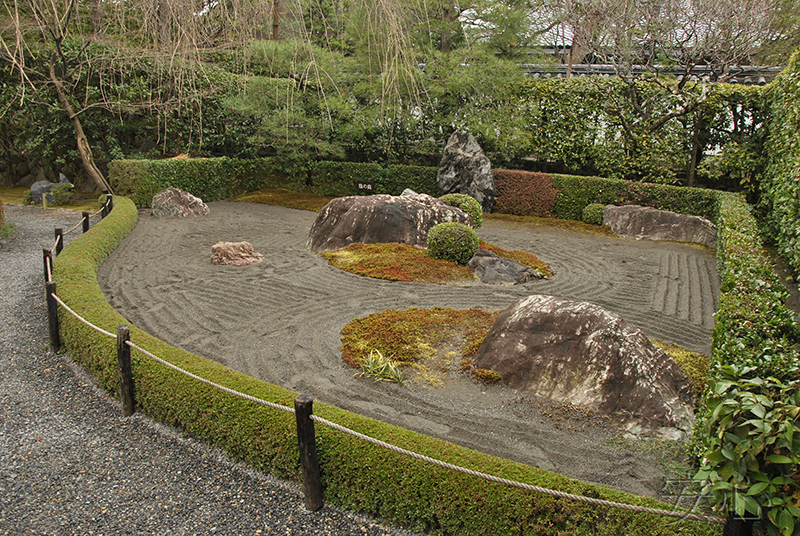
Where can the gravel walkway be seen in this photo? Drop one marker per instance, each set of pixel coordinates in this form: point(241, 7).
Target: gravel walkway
point(70, 464)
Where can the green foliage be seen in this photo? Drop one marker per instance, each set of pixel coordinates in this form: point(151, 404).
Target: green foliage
point(339, 179)
point(452, 241)
point(745, 429)
point(467, 204)
point(396, 178)
point(395, 488)
point(574, 193)
point(62, 194)
point(750, 463)
point(380, 368)
point(593, 213)
point(780, 188)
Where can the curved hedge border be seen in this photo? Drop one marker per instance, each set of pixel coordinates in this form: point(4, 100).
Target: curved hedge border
point(355, 475)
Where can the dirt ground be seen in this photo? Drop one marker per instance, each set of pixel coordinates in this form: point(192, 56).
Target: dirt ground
point(279, 320)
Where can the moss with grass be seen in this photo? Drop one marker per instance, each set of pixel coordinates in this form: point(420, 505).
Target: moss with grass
point(693, 364)
point(285, 198)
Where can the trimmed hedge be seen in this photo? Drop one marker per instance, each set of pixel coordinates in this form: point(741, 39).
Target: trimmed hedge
point(524, 193)
point(220, 178)
point(452, 241)
point(355, 475)
point(468, 204)
point(745, 438)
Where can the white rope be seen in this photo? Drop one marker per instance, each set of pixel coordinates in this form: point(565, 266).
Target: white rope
point(209, 382)
point(79, 317)
point(491, 478)
point(47, 268)
point(75, 226)
point(55, 244)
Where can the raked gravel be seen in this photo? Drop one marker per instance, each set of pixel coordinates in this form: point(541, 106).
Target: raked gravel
point(70, 464)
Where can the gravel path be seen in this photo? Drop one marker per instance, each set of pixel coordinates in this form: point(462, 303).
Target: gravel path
point(70, 464)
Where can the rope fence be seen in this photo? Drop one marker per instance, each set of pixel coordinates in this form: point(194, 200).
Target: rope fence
point(305, 418)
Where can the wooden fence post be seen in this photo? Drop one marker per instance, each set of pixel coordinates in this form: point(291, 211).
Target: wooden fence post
point(736, 526)
point(47, 262)
point(110, 202)
point(85, 221)
point(59, 235)
point(306, 441)
point(125, 371)
point(52, 316)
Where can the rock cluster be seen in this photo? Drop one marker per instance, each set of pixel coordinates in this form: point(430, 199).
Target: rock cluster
point(40, 189)
point(493, 269)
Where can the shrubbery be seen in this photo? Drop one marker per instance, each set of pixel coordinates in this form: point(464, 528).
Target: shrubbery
point(593, 213)
point(452, 241)
point(468, 204)
point(524, 193)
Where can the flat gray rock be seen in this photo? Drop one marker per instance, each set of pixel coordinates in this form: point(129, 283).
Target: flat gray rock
point(638, 222)
point(493, 269)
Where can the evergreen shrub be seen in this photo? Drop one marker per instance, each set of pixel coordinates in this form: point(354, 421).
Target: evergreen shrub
point(593, 213)
point(421, 179)
point(452, 241)
point(468, 204)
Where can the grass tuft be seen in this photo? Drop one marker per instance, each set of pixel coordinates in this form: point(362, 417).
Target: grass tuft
point(380, 368)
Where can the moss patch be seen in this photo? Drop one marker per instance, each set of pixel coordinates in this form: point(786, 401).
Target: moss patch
point(693, 364)
point(569, 225)
point(401, 262)
point(285, 198)
point(427, 343)
point(397, 262)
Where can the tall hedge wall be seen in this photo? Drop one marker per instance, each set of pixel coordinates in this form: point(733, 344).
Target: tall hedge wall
point(780, 186)
point(355, 474)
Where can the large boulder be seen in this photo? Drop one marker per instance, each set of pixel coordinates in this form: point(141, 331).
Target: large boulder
point(581, 354)
point(175, 203)
point(380, 219)
point(634, 221)
point(464, 169)
point(493, 269)
point(234, 254)
point(42, 189)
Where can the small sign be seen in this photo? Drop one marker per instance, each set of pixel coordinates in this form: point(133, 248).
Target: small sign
point(367, 187)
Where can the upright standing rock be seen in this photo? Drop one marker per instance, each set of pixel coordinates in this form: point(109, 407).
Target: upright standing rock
point(464, 169)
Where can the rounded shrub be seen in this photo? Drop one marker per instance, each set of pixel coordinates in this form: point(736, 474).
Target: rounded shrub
point(466, 203)
point(452, 241)
point(593, 213)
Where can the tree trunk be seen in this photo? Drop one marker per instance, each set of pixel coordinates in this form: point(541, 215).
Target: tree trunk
point(97, 16)
point(83, 144)
point(276, 10)
point(448, 18)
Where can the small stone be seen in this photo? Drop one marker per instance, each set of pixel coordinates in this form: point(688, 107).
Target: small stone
point(234, 254)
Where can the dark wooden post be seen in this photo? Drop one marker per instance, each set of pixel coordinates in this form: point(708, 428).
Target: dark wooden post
point(85, 221)
point(110, 202)
point(104, 209)
point(47, 263)
point(125, 371)
point(59, 240)
point(306, 440)
point(736, 526)
point(52, 316)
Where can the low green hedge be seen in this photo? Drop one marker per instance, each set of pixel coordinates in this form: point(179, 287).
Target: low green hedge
point(745, 437)
point(355, 475)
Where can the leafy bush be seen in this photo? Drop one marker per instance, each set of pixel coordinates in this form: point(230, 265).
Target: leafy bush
point(468, 204)
point(62, 194)
point(593, 213)
point(452, 241)
point(524, 193)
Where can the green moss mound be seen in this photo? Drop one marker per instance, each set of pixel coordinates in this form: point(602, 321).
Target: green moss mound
point(593, 213)
point(452, 241)
point(468, 204)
